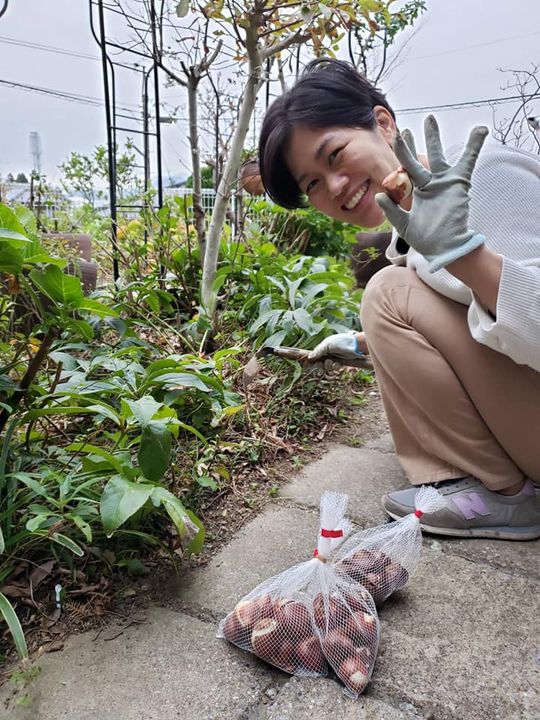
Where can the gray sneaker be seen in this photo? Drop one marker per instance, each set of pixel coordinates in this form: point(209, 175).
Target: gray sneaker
point(474, 511)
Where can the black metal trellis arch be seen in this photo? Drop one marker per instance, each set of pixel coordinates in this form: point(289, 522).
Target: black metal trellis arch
point(149, 70)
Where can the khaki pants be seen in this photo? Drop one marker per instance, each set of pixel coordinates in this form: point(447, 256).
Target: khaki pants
point(455, 407)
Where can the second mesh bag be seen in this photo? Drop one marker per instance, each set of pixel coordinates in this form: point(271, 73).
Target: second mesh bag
point(383, 559)
point(309, 618)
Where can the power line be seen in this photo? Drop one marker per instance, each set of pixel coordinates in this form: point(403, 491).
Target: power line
point(74, 97)
point(47, 48)
point(62, 95)
point(472, 47)
point(458, 106)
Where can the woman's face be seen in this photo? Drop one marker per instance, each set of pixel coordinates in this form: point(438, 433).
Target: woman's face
point(341, 169)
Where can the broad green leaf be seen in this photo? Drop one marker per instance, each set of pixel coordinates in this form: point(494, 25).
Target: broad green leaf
point(55, 410)
point(80, 327)
point(59, 287)
point(265, 318)
point(67, 543)
point(10, 221)
point(105, 410)
point(13, 238)
point(293, 286)
point(144, 409)
point(96, 308)
point(14, 626)
point(27, 218)
point(233, 409)
point(207, 481)
point(154, 451)
point(303, 319)
point(99, 451)
point(180, 380)
point(33, 484)
point(11, 260)
point(311, 292)
point(175, 509)
point(35, 523)
point(193, 430)
point(2, 542)
point(44, 259)
point(195, 545)
point(276, 339)
point(6, 383)
point(83, 526)
point(120, 500)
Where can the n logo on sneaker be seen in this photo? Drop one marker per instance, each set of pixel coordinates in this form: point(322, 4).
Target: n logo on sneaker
point(471, 504)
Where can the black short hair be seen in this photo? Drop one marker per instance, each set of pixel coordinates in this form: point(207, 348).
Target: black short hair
point(329, 93)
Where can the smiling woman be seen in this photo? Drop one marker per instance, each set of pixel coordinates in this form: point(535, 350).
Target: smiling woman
point(455, 324)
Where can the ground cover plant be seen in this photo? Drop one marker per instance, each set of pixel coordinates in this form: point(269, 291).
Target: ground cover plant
point(123, 417)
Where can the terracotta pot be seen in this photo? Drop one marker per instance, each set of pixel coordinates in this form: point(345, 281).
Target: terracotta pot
point(85, 269)
point(364, 265)
point(249, 178)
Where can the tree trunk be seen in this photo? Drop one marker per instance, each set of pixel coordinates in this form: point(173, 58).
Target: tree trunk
point(208, 296)
point(198, 211)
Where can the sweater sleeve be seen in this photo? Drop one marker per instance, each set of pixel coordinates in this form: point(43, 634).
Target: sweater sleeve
point(515, 331)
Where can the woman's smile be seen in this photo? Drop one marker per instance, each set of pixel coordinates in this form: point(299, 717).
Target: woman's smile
point(357, 197)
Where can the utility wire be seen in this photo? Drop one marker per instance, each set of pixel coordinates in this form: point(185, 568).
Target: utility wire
point(97, 102)
point(458, 106)
point(471, 47)
point(74, 97)
point(47, 48)
point(61, 94)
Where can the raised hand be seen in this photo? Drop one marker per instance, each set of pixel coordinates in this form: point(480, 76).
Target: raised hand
point(437, 226)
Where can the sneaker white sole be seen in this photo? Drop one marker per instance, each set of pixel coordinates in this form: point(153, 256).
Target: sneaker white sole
point(495, 533)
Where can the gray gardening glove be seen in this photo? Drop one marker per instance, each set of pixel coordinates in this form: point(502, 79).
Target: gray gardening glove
point(342, 346)
point(438, 224)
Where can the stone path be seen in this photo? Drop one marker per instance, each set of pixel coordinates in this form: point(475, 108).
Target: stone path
point(462, 642)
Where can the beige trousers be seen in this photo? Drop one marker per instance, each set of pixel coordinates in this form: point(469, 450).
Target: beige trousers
point(455, 407)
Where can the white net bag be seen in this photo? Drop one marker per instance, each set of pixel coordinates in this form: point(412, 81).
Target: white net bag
point(384, 558)
point(309, 618)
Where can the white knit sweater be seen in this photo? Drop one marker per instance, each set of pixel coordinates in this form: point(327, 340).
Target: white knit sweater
point(505, 208)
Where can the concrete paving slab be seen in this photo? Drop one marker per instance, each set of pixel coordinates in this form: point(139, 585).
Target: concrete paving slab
point(276, 539)
point(307, 698)
point(462, 641)
point(170, 668)
point(364, 474)
point(383, 443)
point(517, 558)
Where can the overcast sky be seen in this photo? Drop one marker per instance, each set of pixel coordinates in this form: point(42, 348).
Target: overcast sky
point(453, 58)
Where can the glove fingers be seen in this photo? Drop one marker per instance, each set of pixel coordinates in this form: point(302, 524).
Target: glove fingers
point(468, 160)
point(319, 352)
point(395, 214)
point(417, 172)
point(409, 142)
point(435, 152)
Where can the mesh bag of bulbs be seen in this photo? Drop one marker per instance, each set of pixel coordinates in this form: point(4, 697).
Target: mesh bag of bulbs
point(318, 618)
point(384, 558)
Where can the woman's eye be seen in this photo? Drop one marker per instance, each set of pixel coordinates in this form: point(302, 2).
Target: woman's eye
point(334, 154)
point(310, 186)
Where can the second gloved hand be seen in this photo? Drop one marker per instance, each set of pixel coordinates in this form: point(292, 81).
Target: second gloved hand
point(343, 346)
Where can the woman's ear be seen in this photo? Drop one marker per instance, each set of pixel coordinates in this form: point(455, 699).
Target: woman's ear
point(385, 123)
